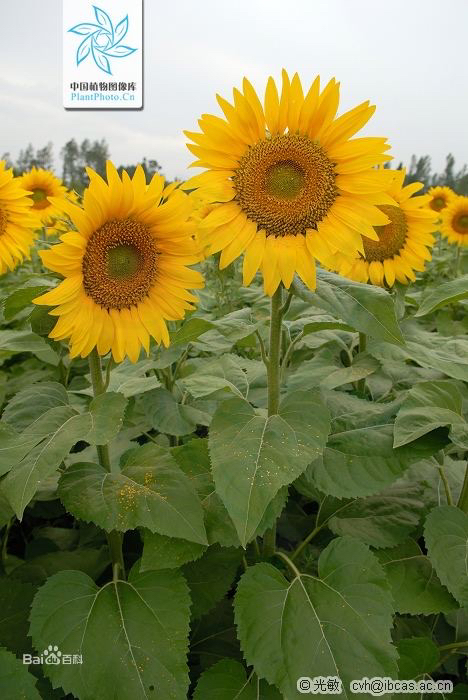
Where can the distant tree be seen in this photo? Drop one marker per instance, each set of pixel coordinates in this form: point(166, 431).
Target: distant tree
point(76, 157)
point(94, 155)
point(151, 167)
point(71, 168)
point(7, 159)
point(419, 170)
point(28, 158)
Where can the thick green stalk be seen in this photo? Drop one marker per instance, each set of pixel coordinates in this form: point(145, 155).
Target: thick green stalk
point(463, 500)
point(114, 538)
point(274, 376)
point(274, 352)
point(361, 385)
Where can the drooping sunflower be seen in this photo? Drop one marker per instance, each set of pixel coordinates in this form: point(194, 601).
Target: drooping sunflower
point(17, 221)
point(43, 185)
point(403, 245)
point(289, 183)
point(440, 197)
point(454, 224)
point(125, 267)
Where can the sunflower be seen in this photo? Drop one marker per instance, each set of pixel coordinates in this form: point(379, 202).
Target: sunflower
point(440, 197)
point(43, 185)
point(455, 221)
point(403, 245)
point(289, 183)
point(61, 224)
point(124, 268)
point(17, 221)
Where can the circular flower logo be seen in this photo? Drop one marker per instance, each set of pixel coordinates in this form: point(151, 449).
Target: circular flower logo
point(102, 41)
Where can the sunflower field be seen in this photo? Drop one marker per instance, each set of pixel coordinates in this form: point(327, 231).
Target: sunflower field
point(233, 434)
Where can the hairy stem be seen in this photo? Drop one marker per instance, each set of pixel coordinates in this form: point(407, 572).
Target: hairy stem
point(274, 376)
point(463, 500)
point(114, 538)
point(361, 385)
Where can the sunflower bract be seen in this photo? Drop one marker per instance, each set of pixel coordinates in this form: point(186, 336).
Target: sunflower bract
point(17, 221)
point(125, 267)
point(288, 182)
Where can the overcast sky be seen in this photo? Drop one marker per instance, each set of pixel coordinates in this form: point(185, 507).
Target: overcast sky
point(407, 56)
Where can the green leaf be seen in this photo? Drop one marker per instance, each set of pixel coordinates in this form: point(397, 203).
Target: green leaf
point(362, 461)
point(364, 307)
point(163, 552)
point(260, 454)
point(224, 373)
point(446, 293)
point(25, 341)
point(31, 403)
point(361, 368)
point(145, 621)
point(415, 587)
point(192, 329)
point(227, 680)
point(194, 460)
point(168, 416)
point(431, 405)
point(383, 520)
point(150, 491)
point(15, 680)
point(210, 577)
point(336, 624)
point(15, 601)
point(107, 412)
point(429, 350)
point(41, 321)
point(37, 569)
point(21, 299)
point(446, 537)
point(22, 482)
point(130, 378)
point(419, 656)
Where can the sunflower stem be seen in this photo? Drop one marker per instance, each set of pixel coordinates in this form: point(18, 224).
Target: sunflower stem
point(273, 377)
point(361, 385)
point(457, 261)
point(463, 500)
point(114, 538)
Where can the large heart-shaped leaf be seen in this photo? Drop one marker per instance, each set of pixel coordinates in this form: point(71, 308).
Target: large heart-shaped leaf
point(254, 455)
point(446, 293)
point(227, 680)
point(131, 635)
point(362, 461)
point(431, 405)
point(446, 537)
point(15, 680)
point(415, 587)
point(336, 624)
point(366, 308)
point(22, 482)
point(150, 491)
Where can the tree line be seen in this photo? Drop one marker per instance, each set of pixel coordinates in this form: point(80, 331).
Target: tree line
point(74, 156)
